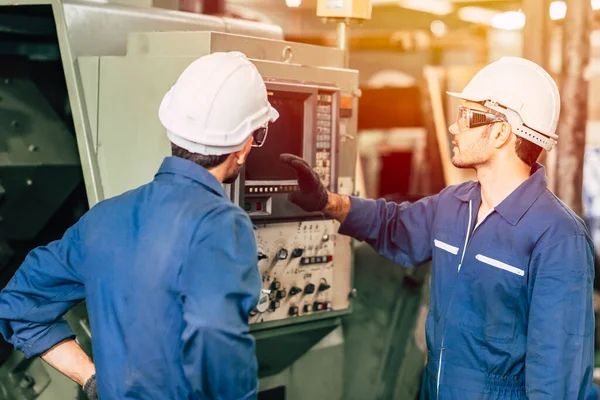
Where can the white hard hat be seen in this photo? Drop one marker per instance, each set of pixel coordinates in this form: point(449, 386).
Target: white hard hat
point(524, 92)
point(216, 104)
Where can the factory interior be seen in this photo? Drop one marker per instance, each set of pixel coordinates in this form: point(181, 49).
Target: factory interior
point(80, 86)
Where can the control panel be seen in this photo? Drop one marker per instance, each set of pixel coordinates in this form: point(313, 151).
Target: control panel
point(305, 268)
point(324, 137)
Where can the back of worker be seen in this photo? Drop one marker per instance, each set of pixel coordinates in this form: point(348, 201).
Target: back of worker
point(169, 269)
point(137, 280)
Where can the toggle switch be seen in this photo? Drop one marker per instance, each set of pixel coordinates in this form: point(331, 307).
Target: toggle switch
point(282, 254)
point(323, 286)
point(295, 290)
point(297, 253)
point(274, 304)
point(293, 311)
point(309, 289)
point(281, 294)
point(307, 308)
point(262, 256)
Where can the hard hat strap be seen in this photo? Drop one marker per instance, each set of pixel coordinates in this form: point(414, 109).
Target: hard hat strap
point(520, 129)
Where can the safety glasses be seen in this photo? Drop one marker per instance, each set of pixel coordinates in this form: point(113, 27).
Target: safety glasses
point(260, 135)
point(469, 118)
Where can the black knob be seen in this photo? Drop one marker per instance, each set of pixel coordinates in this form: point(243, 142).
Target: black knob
point(323, 287)
point(297, 253)
point(307, 308)
point(274, 304)
point(262, 256)
point(295, 290)
point(310, 288)
point(275, 285)
point(282, 254)
point(281, 294)
point(293, 310)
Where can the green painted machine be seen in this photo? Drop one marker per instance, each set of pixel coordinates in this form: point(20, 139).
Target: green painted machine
point(80, 85)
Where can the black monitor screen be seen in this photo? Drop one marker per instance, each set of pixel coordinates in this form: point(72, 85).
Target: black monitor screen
point(285, 135)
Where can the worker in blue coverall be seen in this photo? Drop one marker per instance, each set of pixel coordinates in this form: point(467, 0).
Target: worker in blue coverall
point(511, 312)
point(168, 270)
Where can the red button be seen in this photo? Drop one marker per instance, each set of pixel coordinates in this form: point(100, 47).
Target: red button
point(258, 206)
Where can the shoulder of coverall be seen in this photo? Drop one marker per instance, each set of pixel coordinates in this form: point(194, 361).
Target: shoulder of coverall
point(215, 222)
point(557, 221)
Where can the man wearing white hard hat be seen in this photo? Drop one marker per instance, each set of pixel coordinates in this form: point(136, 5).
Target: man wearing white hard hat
point(168, 270)
point(511, 313)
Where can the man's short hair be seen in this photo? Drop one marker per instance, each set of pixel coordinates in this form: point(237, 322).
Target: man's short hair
point(527, 151)
point(202, 160)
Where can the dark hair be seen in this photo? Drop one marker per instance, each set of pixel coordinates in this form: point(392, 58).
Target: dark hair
point(202, 160)
point(527, 151)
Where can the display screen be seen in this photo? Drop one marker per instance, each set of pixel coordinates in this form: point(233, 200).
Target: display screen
point(286, 135)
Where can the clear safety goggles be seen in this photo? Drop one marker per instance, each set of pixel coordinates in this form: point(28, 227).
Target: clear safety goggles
point(260, 136)
point(469, 118)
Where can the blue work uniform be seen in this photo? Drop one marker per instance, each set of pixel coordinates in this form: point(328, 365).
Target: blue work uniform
point(169, 274)
point(511, 313)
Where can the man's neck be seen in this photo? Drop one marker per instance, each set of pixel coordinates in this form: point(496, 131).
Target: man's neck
point(499, 181)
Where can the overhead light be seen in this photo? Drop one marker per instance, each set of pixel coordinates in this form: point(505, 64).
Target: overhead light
point(595, 4)
point(509, 20)
point(476, 15)
point(558, 10)
point(293, 3)
point(438, 28)
point(438, 7)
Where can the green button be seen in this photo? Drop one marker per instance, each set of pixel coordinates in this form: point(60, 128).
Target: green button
point(247, 206)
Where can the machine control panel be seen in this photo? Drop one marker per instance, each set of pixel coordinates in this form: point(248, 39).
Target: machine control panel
point(324, 135)
point(305, 268)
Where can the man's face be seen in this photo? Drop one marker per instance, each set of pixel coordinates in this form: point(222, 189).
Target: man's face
point(471, 148)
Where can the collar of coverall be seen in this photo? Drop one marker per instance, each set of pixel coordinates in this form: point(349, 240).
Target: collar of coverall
point(519, 201)
point(191, 170)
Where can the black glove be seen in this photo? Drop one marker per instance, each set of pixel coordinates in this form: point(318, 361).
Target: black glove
point(90, 388)
point(312, 195)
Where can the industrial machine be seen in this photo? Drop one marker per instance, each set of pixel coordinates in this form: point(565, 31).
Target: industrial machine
point(80, 86)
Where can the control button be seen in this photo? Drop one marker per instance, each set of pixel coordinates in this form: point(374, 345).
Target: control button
point(282, 254)
point(307, 308)
point(293, 311)
point(247, 206)
point(274, 304)
point(323, 286)
point(295, 290)
point(262, 256)
point(327, 163)
point(258, 206)
point(275, 285)
point(281, 294)
point(297, 252)
point(321, 306)
point(309, 289)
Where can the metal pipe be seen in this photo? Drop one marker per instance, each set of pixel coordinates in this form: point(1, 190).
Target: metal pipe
point(343, 40)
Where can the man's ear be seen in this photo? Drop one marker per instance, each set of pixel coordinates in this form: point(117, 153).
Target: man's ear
point(502, 135)
point(242, 154)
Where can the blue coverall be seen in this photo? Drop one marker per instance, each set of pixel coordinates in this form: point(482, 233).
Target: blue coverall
point(169, 274)
point(511, 313)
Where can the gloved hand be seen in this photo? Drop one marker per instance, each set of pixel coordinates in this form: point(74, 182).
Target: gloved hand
point(312, 195)
point(90, 388)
